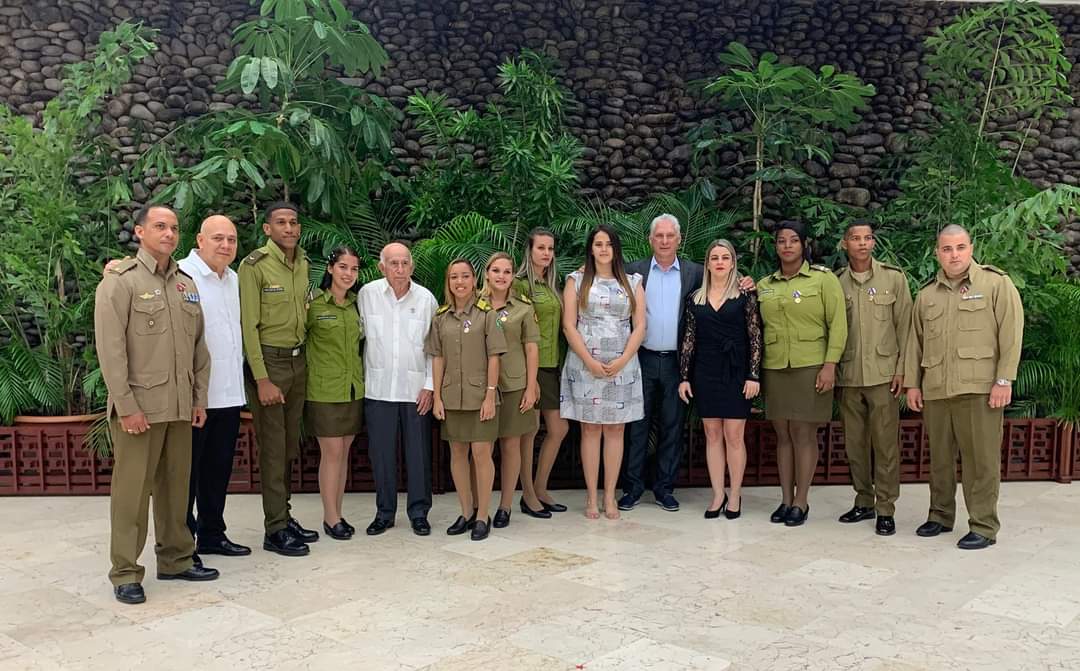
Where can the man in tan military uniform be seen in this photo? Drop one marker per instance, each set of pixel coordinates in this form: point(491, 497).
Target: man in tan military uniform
point(273, 315)
point(961, 358)
point(148, 329)
point(870, 376)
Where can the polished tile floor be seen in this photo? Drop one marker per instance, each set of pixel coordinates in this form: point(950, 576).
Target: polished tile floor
point(653, 591)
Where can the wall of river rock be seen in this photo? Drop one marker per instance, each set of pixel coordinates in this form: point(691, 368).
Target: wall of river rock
point(629, 64)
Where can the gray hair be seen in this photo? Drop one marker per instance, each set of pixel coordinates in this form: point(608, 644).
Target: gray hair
point(382, 252)
point(670, 218)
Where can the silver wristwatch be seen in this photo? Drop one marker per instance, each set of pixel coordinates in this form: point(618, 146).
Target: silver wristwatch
point(1002, 382)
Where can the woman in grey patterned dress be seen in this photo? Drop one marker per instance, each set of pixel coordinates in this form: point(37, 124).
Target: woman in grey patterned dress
point(604, 322)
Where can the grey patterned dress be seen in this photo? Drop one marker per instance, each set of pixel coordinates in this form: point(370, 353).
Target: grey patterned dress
point(604, 325)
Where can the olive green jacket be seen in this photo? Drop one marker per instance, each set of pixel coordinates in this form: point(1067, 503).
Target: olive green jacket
point(335, 370)
point(804, 318)
point(273, 303)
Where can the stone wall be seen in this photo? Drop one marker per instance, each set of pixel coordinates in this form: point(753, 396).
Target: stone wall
point(629, 65)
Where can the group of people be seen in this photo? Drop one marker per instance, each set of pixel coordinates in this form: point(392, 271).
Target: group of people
point(184, 346)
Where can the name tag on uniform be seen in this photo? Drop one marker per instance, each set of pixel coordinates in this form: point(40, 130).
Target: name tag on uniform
point(766, 290)
point(273, 289)
point(970, 297)
point(325, 317)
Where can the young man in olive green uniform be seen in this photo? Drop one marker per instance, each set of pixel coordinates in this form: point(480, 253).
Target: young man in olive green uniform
point(962, 353)
point(148, 328)
point(870, 376)
point(273, 315)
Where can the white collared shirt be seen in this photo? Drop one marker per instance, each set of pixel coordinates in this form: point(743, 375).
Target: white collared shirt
point(395, 366)
point(220, 299)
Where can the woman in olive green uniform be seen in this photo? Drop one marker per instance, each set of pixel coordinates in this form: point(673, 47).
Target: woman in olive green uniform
point(802, 307)
point(517, 377)
point(465, 343)
point(335, 381)
point(537, 278)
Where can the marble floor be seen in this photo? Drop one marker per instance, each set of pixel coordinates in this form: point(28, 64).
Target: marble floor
point(653, 591)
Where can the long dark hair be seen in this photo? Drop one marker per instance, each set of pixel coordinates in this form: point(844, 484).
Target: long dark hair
point(799, 229)
point(616, 267)
point(334, 257)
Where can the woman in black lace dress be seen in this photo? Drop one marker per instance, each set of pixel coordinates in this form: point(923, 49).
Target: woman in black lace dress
point(720, 361)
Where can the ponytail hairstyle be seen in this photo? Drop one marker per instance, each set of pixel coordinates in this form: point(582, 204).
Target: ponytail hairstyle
point(332, 259)
point(800, 230)
point(526, 271)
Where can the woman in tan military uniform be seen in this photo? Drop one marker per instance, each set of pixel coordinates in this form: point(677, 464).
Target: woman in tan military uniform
point(335, 382)
point(802, 308)
point(517, 377)
point(465, 343)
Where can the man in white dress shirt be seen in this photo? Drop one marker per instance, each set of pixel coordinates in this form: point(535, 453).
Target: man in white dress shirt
point(213, 446)
point(397, 314)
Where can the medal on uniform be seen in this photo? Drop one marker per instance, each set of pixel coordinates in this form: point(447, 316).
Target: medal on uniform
point(157, 292)
point(466, 326)
point(871, 292)
point(797, 295)
point(180, 286)
point(964, 289)
point(503, 316)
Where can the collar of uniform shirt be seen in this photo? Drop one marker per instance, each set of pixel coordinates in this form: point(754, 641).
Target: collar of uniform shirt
point(656, 264)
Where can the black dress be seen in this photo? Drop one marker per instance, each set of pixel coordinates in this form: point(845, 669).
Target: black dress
point(720, 351)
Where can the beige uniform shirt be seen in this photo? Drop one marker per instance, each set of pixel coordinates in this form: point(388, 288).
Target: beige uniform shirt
point(964, 334)
point(878, 317)
point(518, 323)
point(465, 340)
point(148, 329)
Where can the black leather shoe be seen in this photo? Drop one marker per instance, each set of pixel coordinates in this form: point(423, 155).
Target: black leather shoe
point(196, 559)
point(931, 529)
point(378, 526)
point(223, 547)
point(348, 526)
point(420, 526)
point(733, 514)
point(284, 543)
point(780, 514)
point(338, 532)
point(886, 526)
point(974, 541)
point(193, 574)
point(542, 514)
point(553, 507)
point(714, 514)
point(857, 514)
point(796, 516)
point(481, 530)
point(131, 592)
point(306, 535)
point(461, 525)
point(502, 518)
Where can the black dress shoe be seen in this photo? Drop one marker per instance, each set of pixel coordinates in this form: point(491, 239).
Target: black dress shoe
point(378, 526)
point(886, 526)
point(196, 559)
point(481, 530)
point(974, 541)
point(733, 514)
point(420, 526)
point(780, 514)
point(714, 514)
point(502, 518)
point(338, 532)
point(796, 516)
point(306, 535)
point(553, 507)
point(223, 547)
point(461, 525)
point(542, 514)
point(284, 543)
point(348, 526)
point(193, 574)
point(131, 592)
point(857, 514)
point(931, 529)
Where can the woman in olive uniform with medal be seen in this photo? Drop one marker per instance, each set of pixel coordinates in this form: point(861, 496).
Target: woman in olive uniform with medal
point(465, 342)
point(333, 411)
point(517, 377)
point(802, 308)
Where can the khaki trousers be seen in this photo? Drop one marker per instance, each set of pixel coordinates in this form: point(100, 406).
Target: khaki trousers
point(871, 418)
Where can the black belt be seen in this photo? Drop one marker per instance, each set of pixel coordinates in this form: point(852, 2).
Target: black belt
point(284, 351)
point(666, 352)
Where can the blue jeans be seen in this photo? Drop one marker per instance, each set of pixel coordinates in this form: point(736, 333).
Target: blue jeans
point(660, 382)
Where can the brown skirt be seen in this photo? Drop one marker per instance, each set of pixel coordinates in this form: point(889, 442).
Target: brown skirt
point(790, 395)
point(330, 420)
point(513, 422)
point(464, 426)
point(548, 379)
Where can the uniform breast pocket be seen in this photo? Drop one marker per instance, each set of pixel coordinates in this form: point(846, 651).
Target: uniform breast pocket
point(976, 363)
point(973, 315)
point(191, 318)
point(149, 317)
point(769, 304)
point(933, 324)
point(809, 299)
point(883, 306)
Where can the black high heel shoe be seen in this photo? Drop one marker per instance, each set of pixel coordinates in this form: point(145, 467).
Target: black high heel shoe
point(713, 514)
point(733, 514)
point(539, 514)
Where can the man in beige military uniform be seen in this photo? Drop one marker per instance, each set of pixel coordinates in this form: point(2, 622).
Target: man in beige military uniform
point(870, 376)
point(273, 318)
point(963, 349)
point(148, 329)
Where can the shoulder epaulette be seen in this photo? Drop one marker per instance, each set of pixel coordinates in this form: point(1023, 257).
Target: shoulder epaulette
point(124, 265)
point(927, 283)
point(483, 304)
point(181, 271)
point(892, 267)
point(995, 269)
point(842, 271)
point(524, 299)
point(442, 309)
point(819, 268)
point(255, 257)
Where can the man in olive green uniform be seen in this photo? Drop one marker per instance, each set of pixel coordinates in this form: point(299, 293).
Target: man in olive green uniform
point(870, 376)
point(273, 314)
point(961, 358)
point(148, 329)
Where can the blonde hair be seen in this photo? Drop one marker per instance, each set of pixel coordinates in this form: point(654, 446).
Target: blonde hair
point(485, 290)
point(447, 295)
point(550, 277)
point(731, 290)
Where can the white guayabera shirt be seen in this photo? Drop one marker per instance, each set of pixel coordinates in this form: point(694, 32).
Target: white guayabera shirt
point(395, 366)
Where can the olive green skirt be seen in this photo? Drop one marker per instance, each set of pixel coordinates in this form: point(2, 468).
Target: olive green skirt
point(330, 420)
point(513, 422)
point(790, 395)
point(464, 426)
point(548, 379)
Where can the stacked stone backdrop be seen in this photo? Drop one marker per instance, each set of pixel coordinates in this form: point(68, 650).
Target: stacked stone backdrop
point(629, 64)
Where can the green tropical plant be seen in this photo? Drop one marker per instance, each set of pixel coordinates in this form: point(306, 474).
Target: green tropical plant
point(59, 186)
point(1048, 381)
